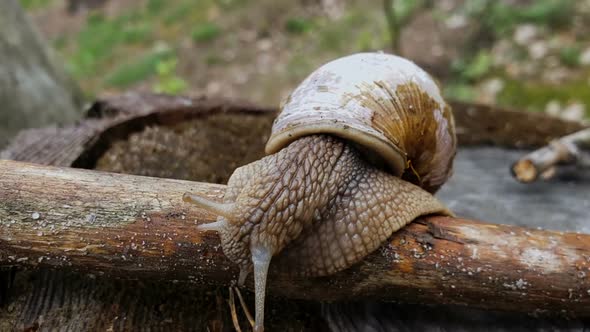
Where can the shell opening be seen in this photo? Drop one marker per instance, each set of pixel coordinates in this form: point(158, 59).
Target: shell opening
point(374, 149)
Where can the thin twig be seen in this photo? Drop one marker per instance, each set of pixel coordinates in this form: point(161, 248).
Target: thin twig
point(245, 307)
point(232, 308)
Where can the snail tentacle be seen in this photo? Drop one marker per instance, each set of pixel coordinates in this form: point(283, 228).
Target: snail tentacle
point(220, 209)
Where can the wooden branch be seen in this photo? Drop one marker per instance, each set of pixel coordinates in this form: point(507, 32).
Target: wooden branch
point(567, 150)
point(138, 227)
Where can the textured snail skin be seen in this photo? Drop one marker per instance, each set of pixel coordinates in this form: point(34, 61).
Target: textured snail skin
point(365, 206)
point(320, 185)
point(320, 195)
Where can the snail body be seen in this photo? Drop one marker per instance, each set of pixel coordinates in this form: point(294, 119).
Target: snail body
point(354, 155)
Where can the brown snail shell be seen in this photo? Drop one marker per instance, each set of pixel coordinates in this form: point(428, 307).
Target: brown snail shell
point(316, 202)
point(385, 104)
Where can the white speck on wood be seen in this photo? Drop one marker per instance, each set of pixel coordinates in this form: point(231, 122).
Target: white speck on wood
point(474, 254)
point(535, 257)
point(521, 284)
point(90, 218)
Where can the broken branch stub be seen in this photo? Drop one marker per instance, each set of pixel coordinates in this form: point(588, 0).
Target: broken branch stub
point(567, 150)
point(138, 227)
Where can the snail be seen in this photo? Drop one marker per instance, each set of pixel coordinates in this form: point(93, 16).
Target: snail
point(356, 153)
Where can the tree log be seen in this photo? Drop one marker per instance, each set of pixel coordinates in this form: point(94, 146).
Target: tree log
point(116, 117)
point(138, 227)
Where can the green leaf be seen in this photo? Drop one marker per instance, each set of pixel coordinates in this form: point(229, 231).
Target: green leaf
point(206, 32)
point(297, 26)
point(134, 72)
point(570, 56)
point(478, 67)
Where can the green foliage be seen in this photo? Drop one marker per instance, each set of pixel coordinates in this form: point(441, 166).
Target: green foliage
point(500, 18)
point(161, 62)
point(459, 91)
point(403, 9)
point(548, 12)
point(168, 81)
point(177, 13)
point(98, 40)
point(95, 53)
point(136, 33)
point(466, 72)
point(298, 25)
point(299, 65)
point(34, 4)
point(213, 58)
point(535, 96)
point(330, 38)
point(141, 69)
point(479, 66)
point(475, 68)
point(231, 4)
point(60, 42)
point(365, 41)
point(156, 6)
point(570, 56)
point(206, 32)
point(330, 34)
point(397, 15)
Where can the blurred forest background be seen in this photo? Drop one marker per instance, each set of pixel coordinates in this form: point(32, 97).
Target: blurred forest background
point(530, 55)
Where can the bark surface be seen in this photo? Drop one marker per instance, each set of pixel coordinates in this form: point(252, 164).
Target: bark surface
point(138, 227)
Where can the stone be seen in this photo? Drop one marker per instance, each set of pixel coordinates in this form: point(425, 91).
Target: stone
point(524, 34)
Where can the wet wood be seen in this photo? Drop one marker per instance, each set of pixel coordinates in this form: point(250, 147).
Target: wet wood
point(573, 149)
point(134, 227)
